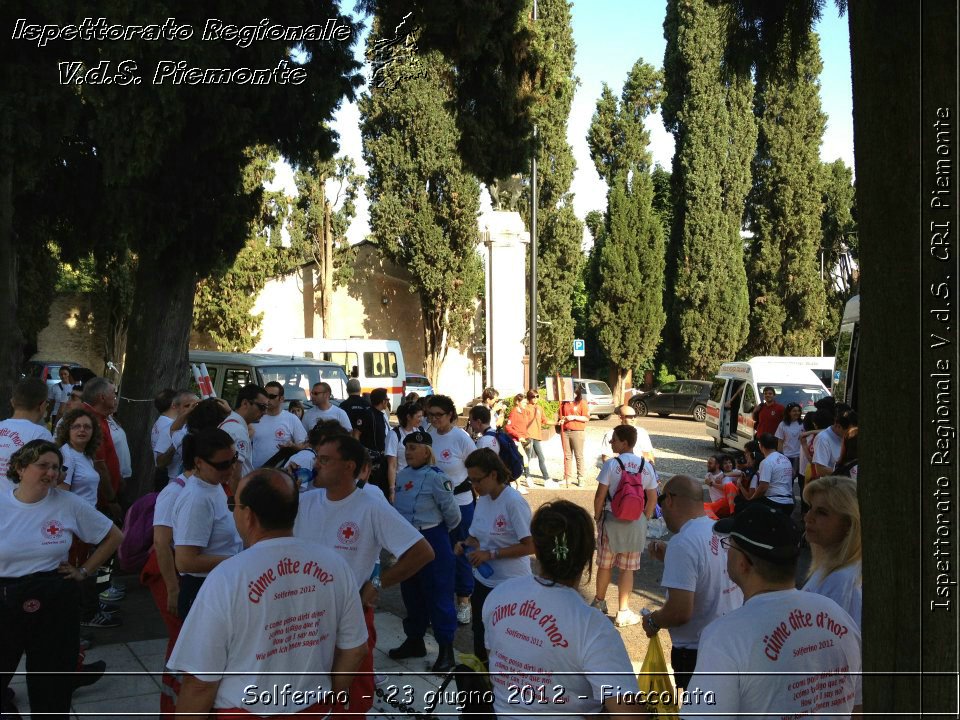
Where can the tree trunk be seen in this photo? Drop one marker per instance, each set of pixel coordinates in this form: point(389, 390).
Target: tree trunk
point(894, 112)
point(326, 294)
point(157, 346)
point(309, 301)
point(11, 339)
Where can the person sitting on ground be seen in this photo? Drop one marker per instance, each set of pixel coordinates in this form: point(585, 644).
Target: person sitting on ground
point(591, 658)
point(833, 532)
point(773, 485)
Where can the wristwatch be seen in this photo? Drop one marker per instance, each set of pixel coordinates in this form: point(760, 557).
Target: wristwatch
point(83, 571)
point(375, 581)
point(494, 554)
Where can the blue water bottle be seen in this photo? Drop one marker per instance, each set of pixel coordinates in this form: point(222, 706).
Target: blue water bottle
point(484, 568)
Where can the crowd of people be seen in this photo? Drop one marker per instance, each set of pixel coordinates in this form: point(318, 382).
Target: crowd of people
point(269, 526)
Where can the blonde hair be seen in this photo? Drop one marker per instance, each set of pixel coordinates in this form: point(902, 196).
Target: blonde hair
point(840, 495)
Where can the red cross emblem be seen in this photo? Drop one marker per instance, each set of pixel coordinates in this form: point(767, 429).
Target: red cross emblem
point(445, 455)
point(31, 606)
point(348, 533)
point(52, 530)
point(280, 433)
point(409, 485)
point(500, 522)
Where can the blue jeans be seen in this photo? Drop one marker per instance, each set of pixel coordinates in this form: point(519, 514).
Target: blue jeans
point(532, 446)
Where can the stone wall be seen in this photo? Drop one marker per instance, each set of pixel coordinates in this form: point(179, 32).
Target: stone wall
point(71, 334)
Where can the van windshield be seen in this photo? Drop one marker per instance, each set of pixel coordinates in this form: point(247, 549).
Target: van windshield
point(803, 395)
point(298, 379)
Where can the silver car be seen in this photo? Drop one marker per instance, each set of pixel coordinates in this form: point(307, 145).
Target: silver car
point(598, 396)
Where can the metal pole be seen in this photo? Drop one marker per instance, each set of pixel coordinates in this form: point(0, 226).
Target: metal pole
point(579, 373)
point(533, 252)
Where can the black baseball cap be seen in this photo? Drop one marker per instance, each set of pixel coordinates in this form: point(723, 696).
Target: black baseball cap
point(419, 437)
point(763, 532)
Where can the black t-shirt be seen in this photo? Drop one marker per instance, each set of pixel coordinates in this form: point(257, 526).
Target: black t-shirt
point(363, 419)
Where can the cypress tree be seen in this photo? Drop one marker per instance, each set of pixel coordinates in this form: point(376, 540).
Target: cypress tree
point(840, 241)
point(786, 293)
point(423, 204)
point(560, 233)
point(628, 259)
point(708, 108)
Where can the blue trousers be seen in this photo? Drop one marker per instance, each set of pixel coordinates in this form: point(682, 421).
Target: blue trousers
point(428, 595)
point(463, 581)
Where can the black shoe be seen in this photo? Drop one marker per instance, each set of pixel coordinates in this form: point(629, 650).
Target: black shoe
point(89, 674)
point(410, 648)
point(445, 659)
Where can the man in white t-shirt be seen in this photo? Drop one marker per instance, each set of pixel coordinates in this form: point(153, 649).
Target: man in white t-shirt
point(357, 524)
point(166, 452)
point(644, 447)
point(57, 395)
point(297, 608)
point(163, 403)
point(773, 483)
point(323, 409)
point(699, 590)
point(621, 541)
point(828, 445)
point(278, 428)
point(29, 404)
point(251, 404)
point(785, 652)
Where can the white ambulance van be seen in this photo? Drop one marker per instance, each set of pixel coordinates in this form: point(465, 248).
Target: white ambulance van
point(738, 388)
point(376, 363)
point(822, 366)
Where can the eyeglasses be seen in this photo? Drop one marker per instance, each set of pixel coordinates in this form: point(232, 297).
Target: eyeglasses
point(726, 543)
point(78, 426)
point(274, 396)
point(436, 414)
point(223, 464)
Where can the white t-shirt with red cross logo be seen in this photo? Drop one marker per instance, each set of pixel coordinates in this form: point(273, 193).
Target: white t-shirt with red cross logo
point(501, 523)
point(14, 434)
point(278, 609)
point(356, 528)
point(36, 537)
point(450, 450)
point(273, 431)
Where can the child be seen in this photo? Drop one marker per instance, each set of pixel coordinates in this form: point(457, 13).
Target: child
point(723, 506)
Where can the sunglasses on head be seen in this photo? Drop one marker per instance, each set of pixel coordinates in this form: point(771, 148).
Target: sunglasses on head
point(223, 464)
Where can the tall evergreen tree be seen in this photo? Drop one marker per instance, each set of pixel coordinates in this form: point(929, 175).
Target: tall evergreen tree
point(708, 108)
point(628, 261)
point(783, 256)
point(560, 232)
point(840, 245)
point(423, 204)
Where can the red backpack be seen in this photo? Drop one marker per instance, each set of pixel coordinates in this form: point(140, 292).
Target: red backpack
point(630, 499)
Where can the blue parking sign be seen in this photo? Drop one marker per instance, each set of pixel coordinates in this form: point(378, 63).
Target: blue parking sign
point(579, 346)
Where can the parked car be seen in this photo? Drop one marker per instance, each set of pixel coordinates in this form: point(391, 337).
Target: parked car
point(598, 396)
point(231, 371)
point(681, 397)
point(46, 370)
point(420, 384)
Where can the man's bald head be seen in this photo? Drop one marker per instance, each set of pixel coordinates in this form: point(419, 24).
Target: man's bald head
point(626, 413)
point(272, 496)
point(685, 487)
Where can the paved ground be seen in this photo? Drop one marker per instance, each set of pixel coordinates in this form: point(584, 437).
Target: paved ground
point(134, 652)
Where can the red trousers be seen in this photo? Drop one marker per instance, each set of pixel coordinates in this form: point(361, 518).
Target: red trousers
point(150, 577)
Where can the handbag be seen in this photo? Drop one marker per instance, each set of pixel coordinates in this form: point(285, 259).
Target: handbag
point(654, 678)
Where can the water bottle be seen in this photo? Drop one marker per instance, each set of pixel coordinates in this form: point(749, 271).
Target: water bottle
point(484, 568)
point(304, 477)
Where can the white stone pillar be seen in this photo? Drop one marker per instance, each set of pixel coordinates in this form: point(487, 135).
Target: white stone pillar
point(504, 247)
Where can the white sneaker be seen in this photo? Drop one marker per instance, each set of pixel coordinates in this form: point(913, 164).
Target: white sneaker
point(548, 483)
point(464, 615)
point(627, 617)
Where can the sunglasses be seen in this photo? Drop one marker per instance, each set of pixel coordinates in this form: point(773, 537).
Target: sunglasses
point(274, 396)
point(223, 464)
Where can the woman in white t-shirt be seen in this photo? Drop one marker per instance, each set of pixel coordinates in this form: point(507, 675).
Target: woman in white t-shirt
point(79, 437)
point(499, 543)
point(833, 531)
point(788, 436)
point(550, 652)
point(39, 595)
point(410, 418)
point(204, 534)
point(451, 446)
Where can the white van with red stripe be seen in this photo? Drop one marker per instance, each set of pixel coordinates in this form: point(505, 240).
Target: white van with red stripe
point(376, 363)
point(738, 388)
